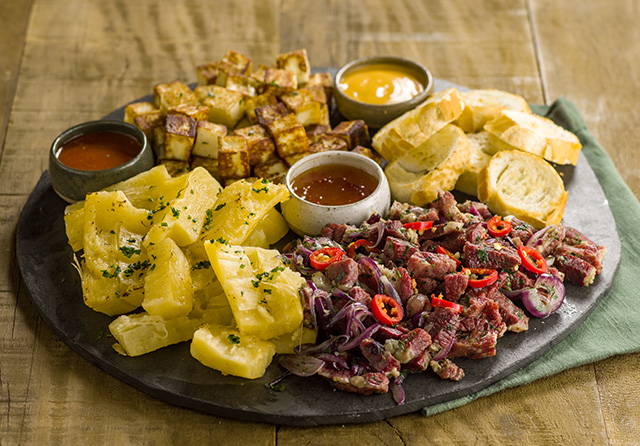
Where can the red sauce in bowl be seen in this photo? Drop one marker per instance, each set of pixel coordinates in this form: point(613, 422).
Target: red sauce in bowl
point(98, 150)
point(334, 184)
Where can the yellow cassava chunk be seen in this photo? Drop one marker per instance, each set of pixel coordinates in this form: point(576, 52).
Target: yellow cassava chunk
point(231, 352)
point(144, 189)
point(183, 207)
point(263, 293)
point(286, 343)
point(168, 290)
point(142, 333)
point(115, 263)
point(269, 231)
point(74, 225)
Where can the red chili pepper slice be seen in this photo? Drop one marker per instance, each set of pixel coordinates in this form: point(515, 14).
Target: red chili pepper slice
point(369, 246)
point(532, 260)
point(445, 251)
point(419, 225)
point(498, 227)
point(322, 258)
point(386, 309)
point(489, 276)
point(439, 302)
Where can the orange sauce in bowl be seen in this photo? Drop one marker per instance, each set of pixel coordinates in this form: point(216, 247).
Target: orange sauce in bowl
point(334, 184)
point(98, 150)
point(381, 84)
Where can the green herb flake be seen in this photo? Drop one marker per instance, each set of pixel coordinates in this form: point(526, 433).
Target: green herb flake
point(233, 339)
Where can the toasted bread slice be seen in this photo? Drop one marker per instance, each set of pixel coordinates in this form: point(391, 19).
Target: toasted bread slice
point(482, 106)
point(416, 126)
point(479, 149)
point(535, 134)
point(417, 176)
point(524, 185)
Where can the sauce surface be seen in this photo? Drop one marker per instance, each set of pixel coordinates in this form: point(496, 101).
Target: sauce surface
point(98, 150)
point(381, 84)
point(334, 184)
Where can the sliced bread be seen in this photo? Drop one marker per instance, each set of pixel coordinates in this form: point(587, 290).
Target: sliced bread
point(479, 149)
point(436, 164)
point(535, 134)
point(482, 106)
point(524, 185)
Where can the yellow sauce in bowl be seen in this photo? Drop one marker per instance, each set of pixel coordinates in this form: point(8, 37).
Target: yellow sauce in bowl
point(380, 84)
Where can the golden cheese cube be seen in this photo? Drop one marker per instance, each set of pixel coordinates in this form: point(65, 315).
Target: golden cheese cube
point(292, 159)
point(158, 140)
point(225, 107)
point(180, 134)
point(297, 99)
point(252, 103)
point(170, 94)
point(296, 62)
point(328, 142)
point(233, 157)
point(260, 144)
point(207, 139)
point(148, 123)
point(279, 82)
point(324, 80)
point(313, 112)
point(268, 113)
point(364, 151)
point(260, 73)
point(244, 84)
point(207, 74)
point(203, 92)
point(355, 133)
point(318, 92)
point(175, 167)
point(197, 112)
point(289, 135)
point(314, 132)
point(132, 111)
point(209, 164)
point(274, 170)
point(240, 62)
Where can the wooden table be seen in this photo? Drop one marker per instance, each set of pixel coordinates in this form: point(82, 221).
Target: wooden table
point(68, 61)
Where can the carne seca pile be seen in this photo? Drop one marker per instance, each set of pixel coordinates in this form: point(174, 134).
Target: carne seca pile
point(427, 285)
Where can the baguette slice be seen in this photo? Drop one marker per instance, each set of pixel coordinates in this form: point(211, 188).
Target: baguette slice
point(416, 126)
point(417, 176)
point(535, 134)
point(479, 147)
point(524, 185)
point(482, 106)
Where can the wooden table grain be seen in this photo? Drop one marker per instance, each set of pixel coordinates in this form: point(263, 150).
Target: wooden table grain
point(67, 61)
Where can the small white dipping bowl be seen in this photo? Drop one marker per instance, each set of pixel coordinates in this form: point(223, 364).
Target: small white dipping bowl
point(306, 218)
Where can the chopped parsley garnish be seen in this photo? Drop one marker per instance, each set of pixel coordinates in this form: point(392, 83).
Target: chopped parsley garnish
point(233, 339)
point(128, 251)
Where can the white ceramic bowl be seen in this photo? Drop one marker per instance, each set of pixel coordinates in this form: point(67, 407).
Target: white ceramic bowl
point(306, 218)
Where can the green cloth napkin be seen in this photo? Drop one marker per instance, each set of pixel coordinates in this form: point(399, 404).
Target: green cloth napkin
point(612, 327)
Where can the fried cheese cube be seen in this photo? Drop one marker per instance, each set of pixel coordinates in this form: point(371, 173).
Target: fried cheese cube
point(296, 62)
point(207, 139)
point(175, 167)
point(180, 134)
point(197, 112)
point(148, 123)
point(252, 103)
point(209, 164)
point(225, 107)
point(268, 113)
point(274, 170)
point(364, 151)
point(260, 144)
point(324, 80)
point(297, 99)
point(312, 113)
point(158, 140)
point(170, 94)
point(240, 62)
point(279, 82)
point(260, 73)
point(314, 132)
point(328, 142)
point(355, 133)
point(233, 157)
point(292, 159)
point(132, 111)
point(244, 84)
point(318, 92)
point(207, 74)
point(289, 135)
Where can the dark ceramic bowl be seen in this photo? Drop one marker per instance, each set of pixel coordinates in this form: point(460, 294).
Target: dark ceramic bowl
point(73, 185)
point(376, 116)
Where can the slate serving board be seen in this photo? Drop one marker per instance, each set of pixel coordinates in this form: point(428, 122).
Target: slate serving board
point(172, 375)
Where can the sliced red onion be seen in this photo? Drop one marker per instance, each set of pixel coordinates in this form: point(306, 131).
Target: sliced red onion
point(357, 341)
point(545, 297)
point(515, 294)
point(534, 240)
point(397, 391)
point(445, 350)
point(375, 272)
point(301, 365)
point(474, 211)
